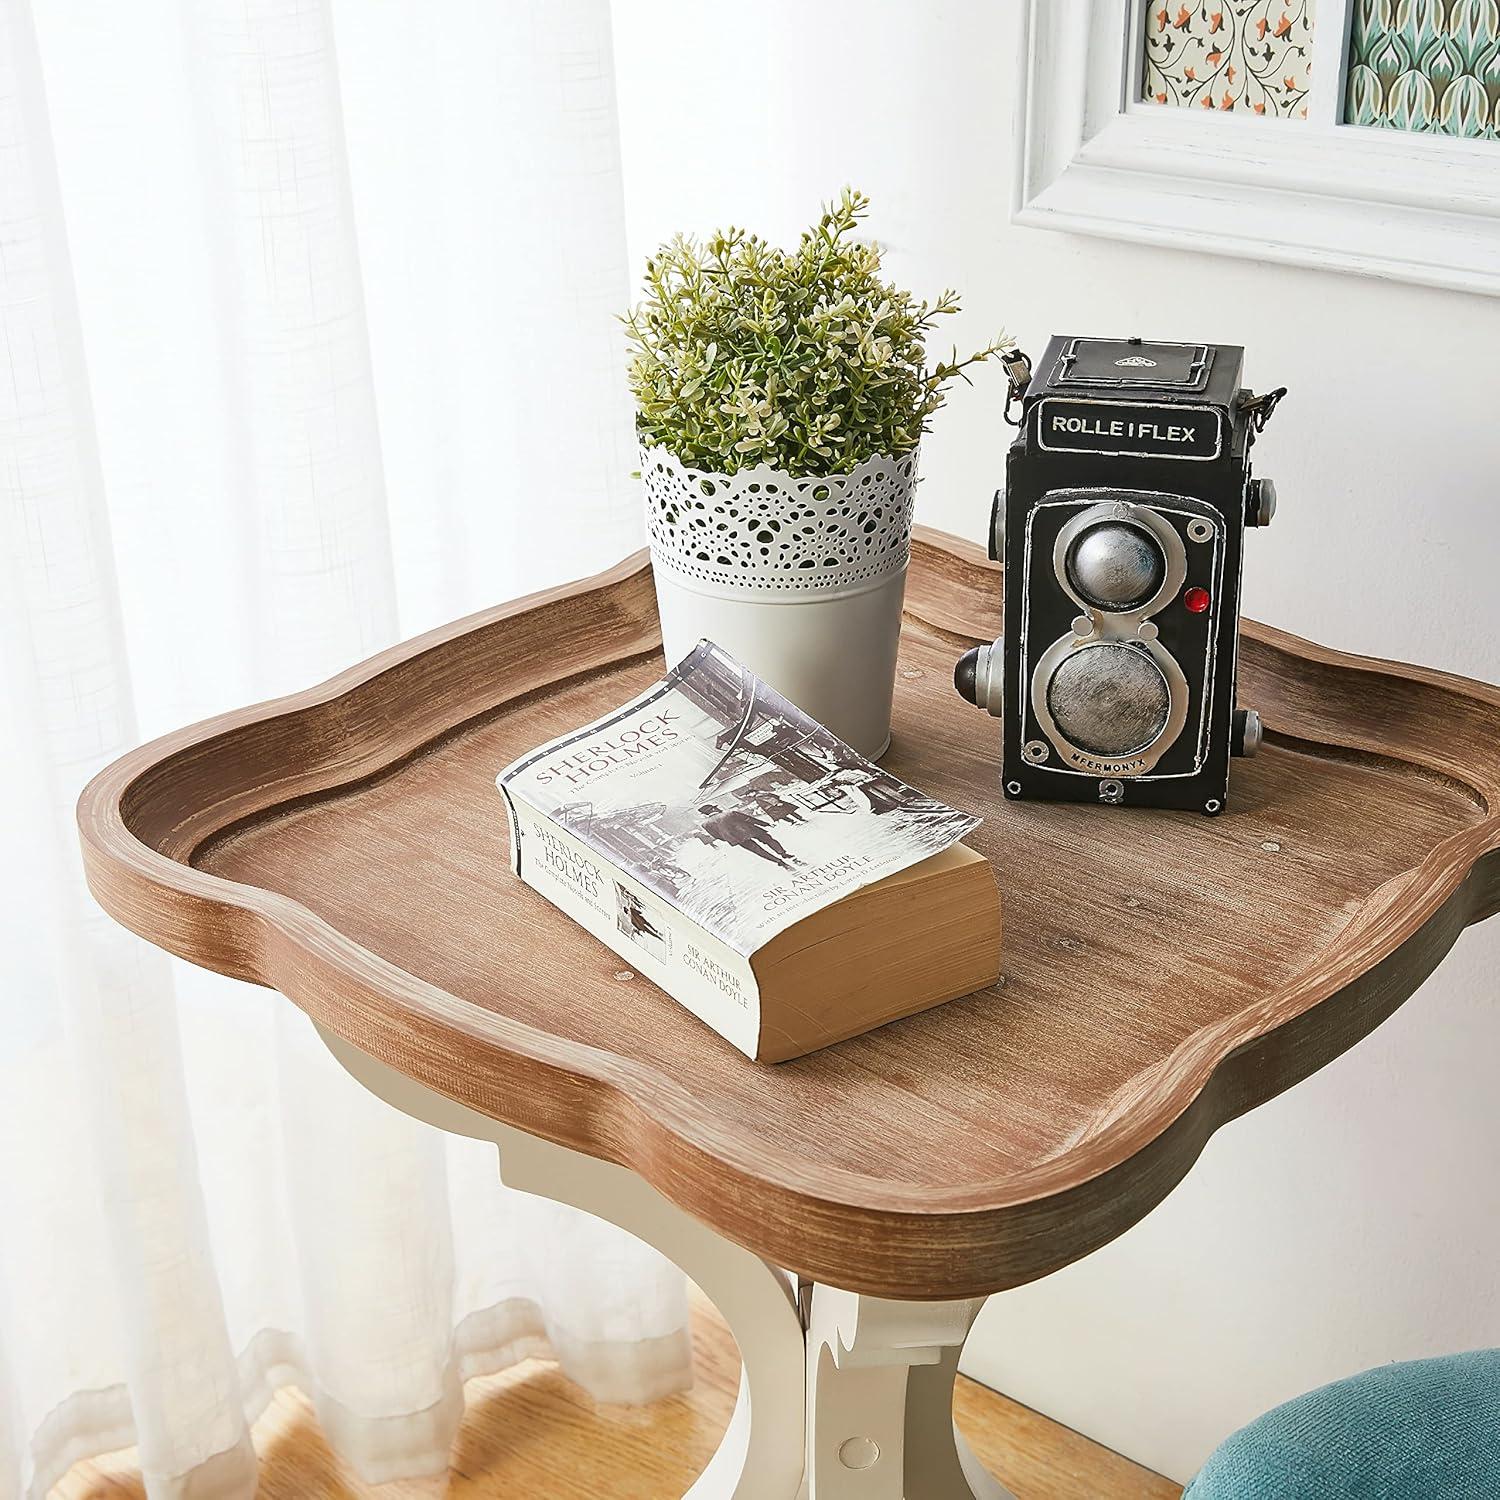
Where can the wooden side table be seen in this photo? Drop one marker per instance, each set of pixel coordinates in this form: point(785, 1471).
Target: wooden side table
point(848, 1212)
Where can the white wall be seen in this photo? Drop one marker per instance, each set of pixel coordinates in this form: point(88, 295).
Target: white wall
point(1353, 1220)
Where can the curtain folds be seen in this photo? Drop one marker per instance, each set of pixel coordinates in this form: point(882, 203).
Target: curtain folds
point(305, 347)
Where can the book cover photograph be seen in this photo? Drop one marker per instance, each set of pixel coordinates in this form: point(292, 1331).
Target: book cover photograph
point(717, 837)
point(731, 804)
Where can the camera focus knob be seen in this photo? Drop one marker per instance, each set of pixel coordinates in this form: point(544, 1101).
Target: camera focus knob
point(1260, 502)
point(1246, 733)
point(997, 526)
point(979, 676)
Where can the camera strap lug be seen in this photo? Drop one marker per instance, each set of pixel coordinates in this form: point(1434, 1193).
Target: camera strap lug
point(1260, 408)
point(1018, 372)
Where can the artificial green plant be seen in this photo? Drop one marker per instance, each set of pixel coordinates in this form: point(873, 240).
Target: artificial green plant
point(743, 353)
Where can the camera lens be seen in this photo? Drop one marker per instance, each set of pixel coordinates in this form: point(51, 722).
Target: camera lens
point(1116, 566)
point(1109, 699)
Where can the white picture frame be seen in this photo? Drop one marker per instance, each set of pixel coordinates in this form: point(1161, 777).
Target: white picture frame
point(1094, 159)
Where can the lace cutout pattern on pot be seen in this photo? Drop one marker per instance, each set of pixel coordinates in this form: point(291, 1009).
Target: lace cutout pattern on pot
point(765, 529)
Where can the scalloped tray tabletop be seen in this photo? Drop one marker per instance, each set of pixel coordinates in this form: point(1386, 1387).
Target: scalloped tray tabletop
point(1163, 972)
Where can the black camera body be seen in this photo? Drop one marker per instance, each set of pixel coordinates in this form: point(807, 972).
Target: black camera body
point(1121, 526)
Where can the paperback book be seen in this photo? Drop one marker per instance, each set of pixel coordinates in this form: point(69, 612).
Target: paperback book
point(785, 890)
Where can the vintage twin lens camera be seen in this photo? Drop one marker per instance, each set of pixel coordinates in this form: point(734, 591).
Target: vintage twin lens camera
point(1128, 491)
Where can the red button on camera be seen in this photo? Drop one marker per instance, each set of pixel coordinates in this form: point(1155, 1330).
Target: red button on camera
point(1195, 601)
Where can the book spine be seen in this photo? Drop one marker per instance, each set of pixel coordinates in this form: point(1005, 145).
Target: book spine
point(700, 971)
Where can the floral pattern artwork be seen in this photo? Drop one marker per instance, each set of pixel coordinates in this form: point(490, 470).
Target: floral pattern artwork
point(1426, 65)
point(1254, 56)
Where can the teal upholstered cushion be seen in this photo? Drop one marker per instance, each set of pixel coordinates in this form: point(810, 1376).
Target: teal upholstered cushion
point(1426, 1430)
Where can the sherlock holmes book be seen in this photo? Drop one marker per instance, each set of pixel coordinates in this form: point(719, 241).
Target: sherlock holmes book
point(778, 885)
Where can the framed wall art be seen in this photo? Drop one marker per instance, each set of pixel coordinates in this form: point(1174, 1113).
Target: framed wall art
point(1361, 135)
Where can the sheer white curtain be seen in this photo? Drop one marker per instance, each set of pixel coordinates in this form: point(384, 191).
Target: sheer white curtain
point(301, 350)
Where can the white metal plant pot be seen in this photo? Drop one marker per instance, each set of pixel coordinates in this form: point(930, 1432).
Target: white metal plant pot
point(801, 579)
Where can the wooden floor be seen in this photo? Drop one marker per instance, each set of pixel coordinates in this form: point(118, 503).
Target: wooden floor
point(529, 1432)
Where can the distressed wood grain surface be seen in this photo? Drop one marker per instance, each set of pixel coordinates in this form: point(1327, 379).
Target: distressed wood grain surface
point(1163, 972)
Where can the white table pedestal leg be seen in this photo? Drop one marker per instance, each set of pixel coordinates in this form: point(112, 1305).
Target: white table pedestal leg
point(859, 1406)
point(880, 1401)
point(761, 1456)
